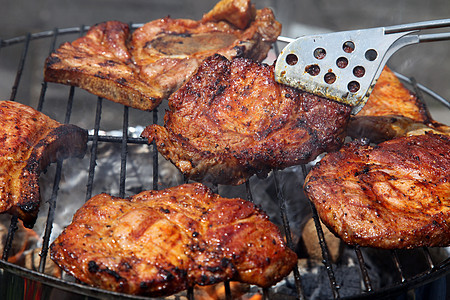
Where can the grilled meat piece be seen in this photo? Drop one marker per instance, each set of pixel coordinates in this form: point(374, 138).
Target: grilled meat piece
point(391, 97)
point(30, 141)
point(232, 120)
point(160, 242)
point(394, 195)
point(392, 111)
point(142, 68)
point(100, 63)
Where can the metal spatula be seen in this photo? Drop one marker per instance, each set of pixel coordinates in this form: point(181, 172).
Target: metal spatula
point(344, 66)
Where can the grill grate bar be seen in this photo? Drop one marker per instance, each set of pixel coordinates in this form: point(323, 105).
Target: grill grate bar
point(287, 232)
point(226, 284)
point(364, 272)
point(266, 294)
point(53, 200)
point(117, 139)
point(428, 258)
point(123, 153)
point(190, 293)
point(9, 238)
point(325, 253)
point(20, 68)
point(50, 217)
point(155, 154)
point(44, 83)
point(94, 147)
point(69, 105)
point(398, 265)
point(40, 35)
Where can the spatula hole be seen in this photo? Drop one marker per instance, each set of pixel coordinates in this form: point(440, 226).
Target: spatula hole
point(312, 70)
point(371, 55)
point(359, 71)
point(330, 78)
point(291, 59)
point(348, 47)
point(353, 86)
point(342, 62)
point(320, 53)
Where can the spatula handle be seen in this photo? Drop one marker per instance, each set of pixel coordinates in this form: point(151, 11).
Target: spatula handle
point(418, 26)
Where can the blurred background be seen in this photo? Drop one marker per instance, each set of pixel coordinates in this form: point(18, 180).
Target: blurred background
point(428, 63)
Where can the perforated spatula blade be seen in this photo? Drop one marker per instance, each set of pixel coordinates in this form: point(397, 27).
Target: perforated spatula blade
point(344, 66)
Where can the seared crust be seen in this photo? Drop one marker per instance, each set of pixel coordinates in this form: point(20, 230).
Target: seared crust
point(395, 195)
point(141, 69)
point(160, 242)
point(30, 141)
point(232, 120)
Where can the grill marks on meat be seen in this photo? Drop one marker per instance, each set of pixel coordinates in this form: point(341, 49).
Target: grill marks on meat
point(232, 120)
point(160, 242)
point(393, 111)
point(30, 141)
point(142, 68)
point(100, 63)
point(394, 195)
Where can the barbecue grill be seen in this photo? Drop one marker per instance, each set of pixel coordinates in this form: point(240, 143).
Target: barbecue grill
point(106, 143)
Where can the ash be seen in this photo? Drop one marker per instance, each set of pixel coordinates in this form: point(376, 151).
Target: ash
point(72, 194)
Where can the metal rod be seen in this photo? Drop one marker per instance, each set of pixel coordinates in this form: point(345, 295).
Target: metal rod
point(398, 265)
point(325, 253)
point(428, 258)
point(323, 246)
point(94, 147)
point(123, 153)
point(419, 96)
point(287, 232)
point(50, 217)
point(155, 154)
point(285, 39)
point(418, 26)
point(39, 35)
point(118, 139)
point(9, 238)
point(226, 285)
point(190, 293)
point(362, 266)
point(53, 200)
point(434, 37)
point(69, 105)
point(20, 68)
point(44, 83)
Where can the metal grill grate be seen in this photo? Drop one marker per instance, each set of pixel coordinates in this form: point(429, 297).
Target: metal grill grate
point(405, 281)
